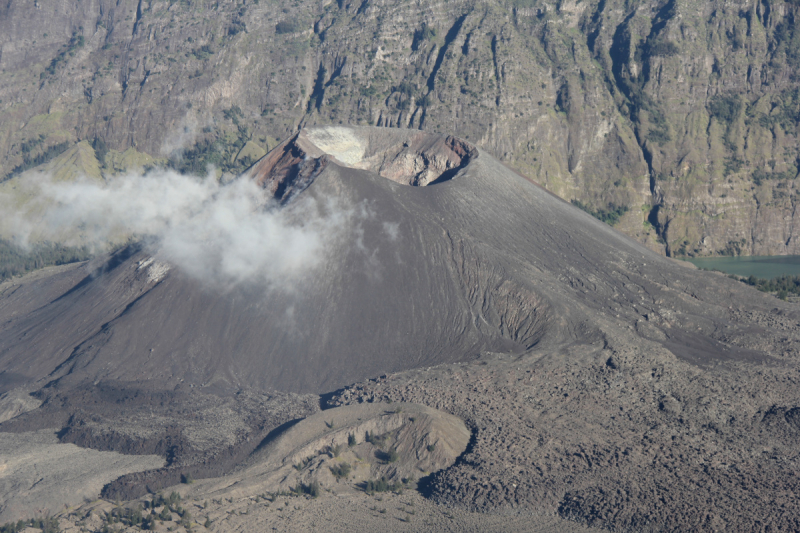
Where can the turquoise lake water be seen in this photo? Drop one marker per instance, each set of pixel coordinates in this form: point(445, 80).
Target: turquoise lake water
point(760, 266)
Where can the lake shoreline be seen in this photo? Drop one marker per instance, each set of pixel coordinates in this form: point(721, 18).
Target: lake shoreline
point(764, 267)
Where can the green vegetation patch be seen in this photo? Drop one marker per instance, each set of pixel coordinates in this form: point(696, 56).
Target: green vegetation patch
point(312, 489)
point(303, 464)
point(384, 485)
point(16, 261)
point(47, 525)
point(142, 517)
point(733, 248)
point(787, 41)
point(202, 53)
point(725, 108)
point(289, 26)
point(761, 175)
point(781, 286)
point(609, 215)
point(662, 48)
point(29, 160)
point(68, 50)
point(381, 485)
point(341, 470)
point(219, 151)
point(785, 112)
point(131, 518)
point(376, 440)
point(422, 35)
point(392, 456)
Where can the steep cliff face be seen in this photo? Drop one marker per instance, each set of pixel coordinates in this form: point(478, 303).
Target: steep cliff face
point(679, 116)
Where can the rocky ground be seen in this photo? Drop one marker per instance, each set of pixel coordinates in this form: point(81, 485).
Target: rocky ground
point(39, 475)
point(615, 435)
point(619, 435)
point(297, 482)
point(623, 436)
point(407, 511)
point(197, 434)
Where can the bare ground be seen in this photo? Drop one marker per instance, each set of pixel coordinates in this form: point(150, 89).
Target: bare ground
point(39, 475)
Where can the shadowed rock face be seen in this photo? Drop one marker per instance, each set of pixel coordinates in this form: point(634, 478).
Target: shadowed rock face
point(534, 316)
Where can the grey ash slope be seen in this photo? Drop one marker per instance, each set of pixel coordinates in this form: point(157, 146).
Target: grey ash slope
point(587, 362)
point(486, 261)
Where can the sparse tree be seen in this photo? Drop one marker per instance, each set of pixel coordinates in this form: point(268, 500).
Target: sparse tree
point(392, 456)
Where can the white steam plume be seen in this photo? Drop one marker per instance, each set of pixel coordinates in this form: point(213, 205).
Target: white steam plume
point(182, 136)
point(223, 234)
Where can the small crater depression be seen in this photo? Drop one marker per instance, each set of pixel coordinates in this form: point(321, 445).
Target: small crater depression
point(407, 157)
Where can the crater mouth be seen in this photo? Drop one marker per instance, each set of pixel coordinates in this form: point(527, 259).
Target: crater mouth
point(409, 157)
